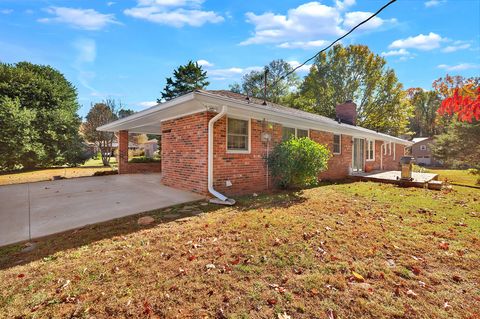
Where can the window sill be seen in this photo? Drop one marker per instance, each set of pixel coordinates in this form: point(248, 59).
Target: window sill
point(336, 153)
point(370, 160)
point(237, 152)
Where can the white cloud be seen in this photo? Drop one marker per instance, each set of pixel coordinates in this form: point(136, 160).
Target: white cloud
point(175, 13)
point(459, 67)
point(88, 19)
point(148, 103)
point(433, 3)
point(6, 11)
point(303, 68)
point(86, 50)
point(231, 73)
point(204, 63)
point(354, 18)
point(400, 52)
point(303, 44)
point(420, 42)
point(308, 23)
point(456, 46)
point(342, 5)
point(86, 53)
point(110, 3)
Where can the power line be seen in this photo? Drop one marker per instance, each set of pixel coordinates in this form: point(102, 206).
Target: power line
point(333, 43)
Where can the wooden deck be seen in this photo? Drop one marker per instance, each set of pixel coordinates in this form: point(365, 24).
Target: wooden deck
point(423, 180)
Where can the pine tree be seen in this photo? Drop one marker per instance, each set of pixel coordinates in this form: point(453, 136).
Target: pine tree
point(186, 78)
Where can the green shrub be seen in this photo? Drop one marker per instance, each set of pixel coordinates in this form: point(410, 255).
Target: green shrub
point(297, 162)
point(143, 159)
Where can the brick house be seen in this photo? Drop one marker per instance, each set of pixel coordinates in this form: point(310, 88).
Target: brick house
point(215, 142)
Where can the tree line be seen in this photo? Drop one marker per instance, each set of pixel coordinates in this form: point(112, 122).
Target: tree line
point(41, 128)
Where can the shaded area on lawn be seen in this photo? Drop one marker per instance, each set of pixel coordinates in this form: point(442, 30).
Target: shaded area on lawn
point(44, 247)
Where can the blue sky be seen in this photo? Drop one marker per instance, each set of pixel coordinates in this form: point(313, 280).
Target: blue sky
point(125, 49)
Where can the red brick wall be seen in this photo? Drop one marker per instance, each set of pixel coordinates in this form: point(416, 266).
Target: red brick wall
point(246, 172)
point(339, 164)
point(389, 163)
point(133, 168)
point(185, 152)
point(123, 152)
point(185, 156)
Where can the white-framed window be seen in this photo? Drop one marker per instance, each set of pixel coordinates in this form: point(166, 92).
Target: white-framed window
point(337, 144)
point(370, 150)
point(238, 135)
point(289, 132)
point(423, 147)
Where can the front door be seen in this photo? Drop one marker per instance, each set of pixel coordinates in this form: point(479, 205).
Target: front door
point(358, 160)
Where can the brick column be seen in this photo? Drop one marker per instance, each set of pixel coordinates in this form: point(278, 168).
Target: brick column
point(122, 152)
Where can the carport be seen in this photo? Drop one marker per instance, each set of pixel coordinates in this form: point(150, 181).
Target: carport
point(44, 208)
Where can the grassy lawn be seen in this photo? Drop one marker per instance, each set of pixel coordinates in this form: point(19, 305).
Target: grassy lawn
point(456, 176)
point(359, 250)
point(46, 174)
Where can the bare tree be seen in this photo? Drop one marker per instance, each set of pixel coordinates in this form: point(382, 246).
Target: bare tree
point(100, 114)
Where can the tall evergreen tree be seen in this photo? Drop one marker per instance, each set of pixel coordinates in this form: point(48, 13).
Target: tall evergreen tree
point(186, 78)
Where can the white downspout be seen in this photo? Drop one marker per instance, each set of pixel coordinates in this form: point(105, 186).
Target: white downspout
point(381, 155)
point(223, 199)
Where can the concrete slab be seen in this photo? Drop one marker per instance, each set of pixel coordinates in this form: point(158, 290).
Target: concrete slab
point(56, 206)
point(393, 177)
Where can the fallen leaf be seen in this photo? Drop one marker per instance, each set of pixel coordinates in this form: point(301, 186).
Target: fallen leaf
point(443, 245)
point(272, 302)
point(314, 291)
point(416, 270)
point(283, 316)
point(147, 308)
point(192, 257)
point(21, 275)
point(358, 277)
point(331, 314)
point(412, 293)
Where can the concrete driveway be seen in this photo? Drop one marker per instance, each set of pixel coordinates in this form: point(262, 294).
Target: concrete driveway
point(57, 206)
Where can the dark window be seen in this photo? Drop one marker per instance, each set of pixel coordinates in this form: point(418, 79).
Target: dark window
point(288, 133)
point(337, 146)
point(302, 133)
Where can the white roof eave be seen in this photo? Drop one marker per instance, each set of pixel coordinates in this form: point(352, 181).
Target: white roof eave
point(321, 124)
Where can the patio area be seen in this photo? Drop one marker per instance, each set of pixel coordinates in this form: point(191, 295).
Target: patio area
point(429, 180)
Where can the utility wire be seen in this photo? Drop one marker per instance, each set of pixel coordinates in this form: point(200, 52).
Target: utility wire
point(333, 43)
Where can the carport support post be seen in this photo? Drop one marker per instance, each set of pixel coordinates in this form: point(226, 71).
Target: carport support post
point(122, 152)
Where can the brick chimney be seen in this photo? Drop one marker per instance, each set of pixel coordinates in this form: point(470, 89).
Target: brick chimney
point(347, 112)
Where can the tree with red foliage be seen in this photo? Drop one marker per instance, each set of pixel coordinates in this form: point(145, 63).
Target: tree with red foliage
point(461, 97)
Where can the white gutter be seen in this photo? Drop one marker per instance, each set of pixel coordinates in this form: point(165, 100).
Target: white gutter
point(223, 199)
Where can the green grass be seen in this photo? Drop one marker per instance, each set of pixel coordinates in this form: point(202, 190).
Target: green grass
point(456, 176)
point(98, 162)
point(286, 252)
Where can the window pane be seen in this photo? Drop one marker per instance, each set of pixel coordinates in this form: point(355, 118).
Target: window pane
point(236, 126)
point(288, 133)
point(336, 143)
point(237, 142)
point(302, 133)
